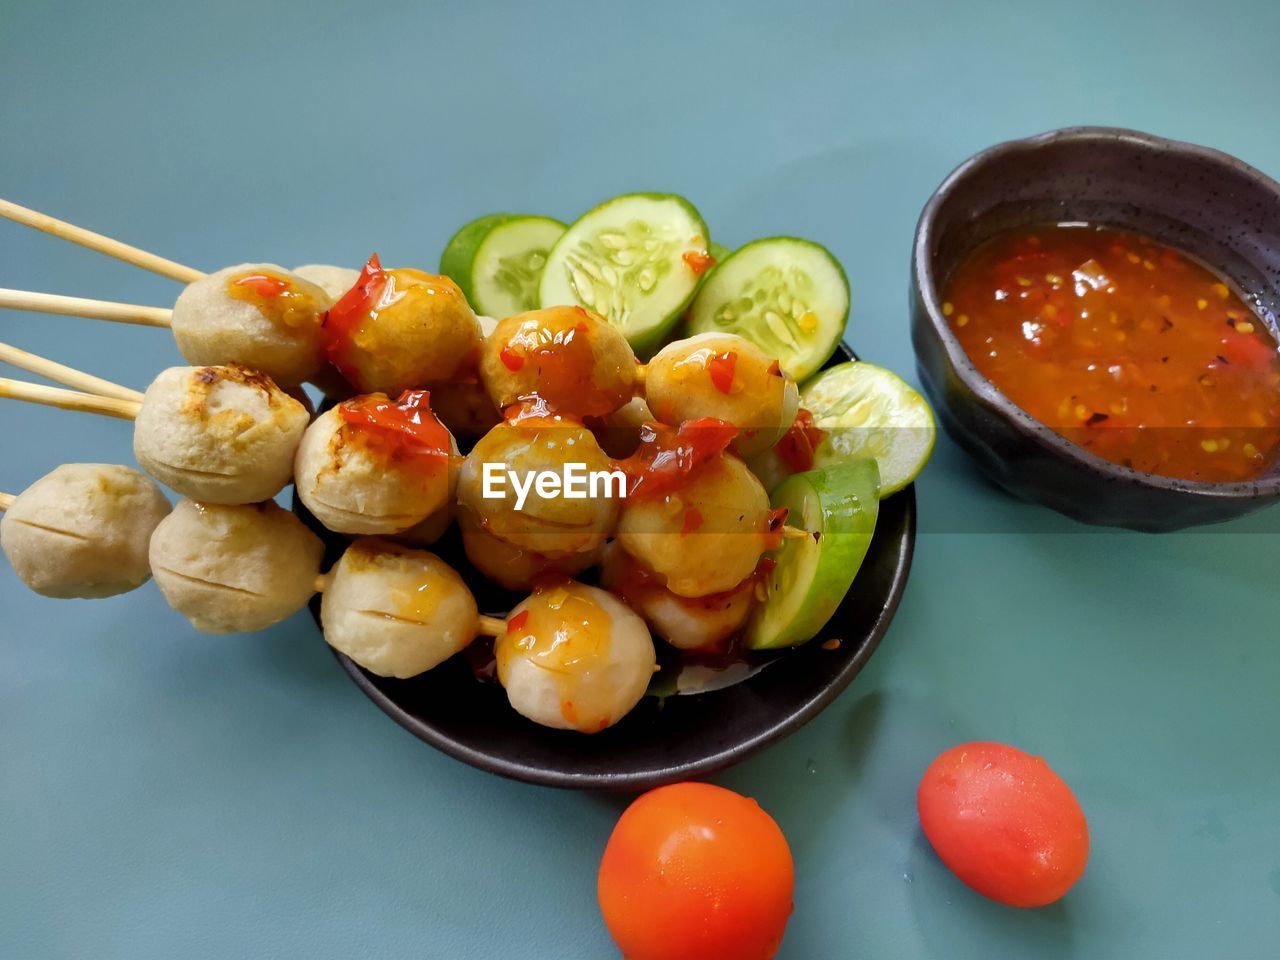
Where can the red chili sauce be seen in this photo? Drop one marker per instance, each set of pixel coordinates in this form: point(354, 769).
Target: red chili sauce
point(1125, 346)
point(405, 430)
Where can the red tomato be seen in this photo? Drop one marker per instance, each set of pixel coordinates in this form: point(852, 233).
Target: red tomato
point(696, 872)
point(1004, 823)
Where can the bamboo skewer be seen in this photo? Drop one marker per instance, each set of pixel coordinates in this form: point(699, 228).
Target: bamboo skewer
point(6, 501)
point(82, 307)
point(98, 242)
point(491, 626)
point(69, 399)
point(69, 376)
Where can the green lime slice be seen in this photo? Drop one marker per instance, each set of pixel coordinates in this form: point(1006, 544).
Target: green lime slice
point(498, 259)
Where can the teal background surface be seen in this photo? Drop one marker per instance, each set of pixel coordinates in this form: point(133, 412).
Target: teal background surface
point(168, 794)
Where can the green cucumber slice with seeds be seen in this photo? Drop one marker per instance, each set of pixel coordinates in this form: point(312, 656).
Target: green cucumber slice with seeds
point(719, 251)
point(788, 296)
point(838, 506)
point(625, 259)
point(498, 259)
point(868, 411)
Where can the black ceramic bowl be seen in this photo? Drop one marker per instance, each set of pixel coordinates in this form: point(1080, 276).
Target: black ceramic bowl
point(1196, 199)
point(661, 740)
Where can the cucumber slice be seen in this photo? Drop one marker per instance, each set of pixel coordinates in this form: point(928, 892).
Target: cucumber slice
point(789, 296)
point(497, 260)
point(839, 505)
point(625, 260)
point(719, 251)
point(867, 411)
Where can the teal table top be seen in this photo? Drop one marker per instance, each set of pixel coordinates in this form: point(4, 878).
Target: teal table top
point(169, 794)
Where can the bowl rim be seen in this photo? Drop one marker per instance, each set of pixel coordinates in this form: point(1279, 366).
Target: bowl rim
point(995, 400)
point(709, 763)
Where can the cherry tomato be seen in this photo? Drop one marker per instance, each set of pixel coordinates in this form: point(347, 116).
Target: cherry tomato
point(1004, 823)
point(696, 872)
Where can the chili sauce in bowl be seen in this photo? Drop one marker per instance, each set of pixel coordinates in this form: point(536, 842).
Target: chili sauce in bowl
point(1129, 348)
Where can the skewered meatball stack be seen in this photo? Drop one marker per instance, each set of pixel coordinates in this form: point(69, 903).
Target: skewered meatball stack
point(681, 551)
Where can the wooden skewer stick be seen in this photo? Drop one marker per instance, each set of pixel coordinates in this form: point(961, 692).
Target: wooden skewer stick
point(69, 399)
point(66, 375)
point(82, 307)
point(491, 626)
point(6, 501)
point(794, 533)
point(96, 241)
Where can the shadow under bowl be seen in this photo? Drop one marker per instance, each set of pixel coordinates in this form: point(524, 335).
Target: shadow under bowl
point(1195, 199)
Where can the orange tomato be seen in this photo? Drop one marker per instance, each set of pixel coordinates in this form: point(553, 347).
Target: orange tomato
point(696, 872)
point(1004, 823)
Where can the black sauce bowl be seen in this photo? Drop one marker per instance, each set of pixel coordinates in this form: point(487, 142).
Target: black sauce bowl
point(661, 741)
point(1199, 200)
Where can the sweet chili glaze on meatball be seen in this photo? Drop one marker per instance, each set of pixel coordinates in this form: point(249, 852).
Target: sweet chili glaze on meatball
point(401, 329)
point(573, 360)
point(531, 441)
point(727, 377)
point(574, 657)
point(396, 611)
point(371, 466)
point(704, 624)
point(1125, 346)
point(286, 299)
point(257, 315)
point(694, 513)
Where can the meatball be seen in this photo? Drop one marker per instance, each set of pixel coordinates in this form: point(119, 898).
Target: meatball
point(357, 478)
point(334, 281)
point(705, 536)
point(509, 566)
point(436, 524)
point(82, 531)
point(689, 623)
point(552, 524)
point(234, 568)
point(727, 377)
point(465, 408)
point(256, 315)
point(575, 361)
point(395, 611)
point(218, 434)
point(619, 434)
point(401, 329)
point(574, 657)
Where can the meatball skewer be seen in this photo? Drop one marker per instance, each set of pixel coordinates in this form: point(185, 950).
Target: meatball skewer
point(214, 434)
